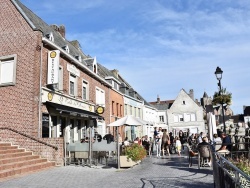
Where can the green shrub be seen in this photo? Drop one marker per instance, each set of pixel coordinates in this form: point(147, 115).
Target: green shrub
point(135, 152)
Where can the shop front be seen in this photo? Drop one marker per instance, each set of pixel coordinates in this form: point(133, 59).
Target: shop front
point(61, 113)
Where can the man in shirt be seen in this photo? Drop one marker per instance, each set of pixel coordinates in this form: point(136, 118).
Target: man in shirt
point(226, 144)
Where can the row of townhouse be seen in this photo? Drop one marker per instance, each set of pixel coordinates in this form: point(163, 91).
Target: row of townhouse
point(48, 85)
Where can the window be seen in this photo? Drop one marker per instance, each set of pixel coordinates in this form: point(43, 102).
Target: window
point(120, 110)
point(161, 118)
point(187, 117)
point(181, 118)
point(117, 109)
point(8, 70)
point(50, 36)
point(60, 83)
point(126, 110)
point(45, 126)
point(176, 118)
point(193, 117)
point(139, 112)
point(66, 48)
point(183, 102)
point(85, 90)
point(135, 112)
point(100, 97)
point(72, 85)
point(113, 110)
point(131, 110)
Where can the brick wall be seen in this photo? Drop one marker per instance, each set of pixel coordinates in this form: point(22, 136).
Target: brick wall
point(19, 104)
point(36, 147)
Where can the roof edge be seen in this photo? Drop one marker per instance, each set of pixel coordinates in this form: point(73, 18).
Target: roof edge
point(24, 15)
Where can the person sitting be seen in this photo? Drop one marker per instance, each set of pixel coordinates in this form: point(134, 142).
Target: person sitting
point(204, 149)
point(204, 142)
point(226, 144)
point(126, 142)
point(109, 137)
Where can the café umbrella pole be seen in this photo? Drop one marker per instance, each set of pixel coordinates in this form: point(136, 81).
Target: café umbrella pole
point(118, 148)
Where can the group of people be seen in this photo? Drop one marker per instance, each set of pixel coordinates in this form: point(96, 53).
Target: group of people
point(223, 140)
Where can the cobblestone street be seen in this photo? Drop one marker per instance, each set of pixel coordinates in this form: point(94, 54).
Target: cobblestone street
point(152, 172)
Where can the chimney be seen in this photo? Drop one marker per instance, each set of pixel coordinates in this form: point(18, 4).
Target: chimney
point(115, 72)
point(191, 93)
point(76, 44)
point(158, 99)
point(62, 30)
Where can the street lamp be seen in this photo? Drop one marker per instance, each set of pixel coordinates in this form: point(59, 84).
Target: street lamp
point(218, 74)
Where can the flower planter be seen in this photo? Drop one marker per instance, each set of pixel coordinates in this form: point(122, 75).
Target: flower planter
point(126, 162)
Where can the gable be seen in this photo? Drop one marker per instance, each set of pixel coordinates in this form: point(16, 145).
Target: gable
point(184, 103)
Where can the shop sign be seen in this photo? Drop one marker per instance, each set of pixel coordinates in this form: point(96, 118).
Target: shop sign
point(100, 110)
point(53, 67)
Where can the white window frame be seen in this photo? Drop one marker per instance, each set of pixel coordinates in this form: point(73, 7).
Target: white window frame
point(100, 97)
point(85, 84)
point(193, 117)
point(73, 78)
point(176, 118)
point(187, 117)
point(8, 70)
point(60, 81)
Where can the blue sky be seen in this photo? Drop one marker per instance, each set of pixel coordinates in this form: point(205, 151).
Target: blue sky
point(162, 46)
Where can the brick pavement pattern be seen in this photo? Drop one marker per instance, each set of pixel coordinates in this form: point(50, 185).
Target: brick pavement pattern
point(152, 172)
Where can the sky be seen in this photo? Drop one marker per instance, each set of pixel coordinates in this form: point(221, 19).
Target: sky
point(162, 46)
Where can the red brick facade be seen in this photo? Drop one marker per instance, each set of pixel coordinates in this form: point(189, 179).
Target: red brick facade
point(19, 104)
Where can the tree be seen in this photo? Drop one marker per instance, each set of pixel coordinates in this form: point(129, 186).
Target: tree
point(223, 97)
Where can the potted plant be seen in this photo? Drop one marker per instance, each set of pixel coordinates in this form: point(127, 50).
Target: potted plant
point(132, 155)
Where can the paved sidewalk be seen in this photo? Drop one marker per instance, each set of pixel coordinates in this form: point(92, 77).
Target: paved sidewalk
point(152, 172)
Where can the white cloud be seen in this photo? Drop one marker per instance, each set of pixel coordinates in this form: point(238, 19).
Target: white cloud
point(169, 45)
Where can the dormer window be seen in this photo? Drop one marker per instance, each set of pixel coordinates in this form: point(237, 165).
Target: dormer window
point(79, 58)
point(50, 36)
point(66, 48)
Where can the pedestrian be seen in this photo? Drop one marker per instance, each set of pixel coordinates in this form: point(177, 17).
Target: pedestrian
point(178, 145)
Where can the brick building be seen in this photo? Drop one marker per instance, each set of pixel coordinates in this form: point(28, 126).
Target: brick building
point(47, 84)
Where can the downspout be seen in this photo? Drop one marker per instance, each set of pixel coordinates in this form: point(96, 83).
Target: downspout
point(40, 92)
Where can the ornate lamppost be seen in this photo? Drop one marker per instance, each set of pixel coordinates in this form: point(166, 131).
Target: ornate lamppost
point(218, 74)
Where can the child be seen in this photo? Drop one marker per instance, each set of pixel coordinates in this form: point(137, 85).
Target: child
point(178, 146)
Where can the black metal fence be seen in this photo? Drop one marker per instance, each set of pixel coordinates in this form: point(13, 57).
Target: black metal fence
point(226, 174)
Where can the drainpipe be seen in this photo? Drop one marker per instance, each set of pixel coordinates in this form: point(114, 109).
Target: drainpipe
point(40, 92)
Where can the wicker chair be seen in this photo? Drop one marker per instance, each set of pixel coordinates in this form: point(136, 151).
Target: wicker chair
point(204, 155)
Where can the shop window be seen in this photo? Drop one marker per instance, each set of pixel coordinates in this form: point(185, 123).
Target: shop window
point(8, 70)
point(45, 126)
point(54, 126)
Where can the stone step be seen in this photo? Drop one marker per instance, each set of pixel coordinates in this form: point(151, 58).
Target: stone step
point(12, 150)
point(4, 144)
point(7, 147)
point(19, 164)
point(14, 159)
point(14, 155)
point(26, 169)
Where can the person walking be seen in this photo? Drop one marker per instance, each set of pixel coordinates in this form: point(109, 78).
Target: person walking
point(178, 145)
point(165, 142)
